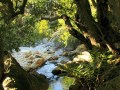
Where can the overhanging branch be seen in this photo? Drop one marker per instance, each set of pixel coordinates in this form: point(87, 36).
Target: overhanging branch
point(21, 9)
point(94, 3)
point(49, 18)
point(11, 9)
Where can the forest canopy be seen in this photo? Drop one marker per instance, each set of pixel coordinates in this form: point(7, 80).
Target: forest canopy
point(91, 22)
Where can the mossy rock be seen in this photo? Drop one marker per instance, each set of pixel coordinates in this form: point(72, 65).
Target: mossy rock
point(16, 78)
point(113, 84)
point(74, 87)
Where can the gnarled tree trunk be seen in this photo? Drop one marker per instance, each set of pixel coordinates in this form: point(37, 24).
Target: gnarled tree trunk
point(75, 33)
point(16, 77)
point(1, 60)
point(99, 31)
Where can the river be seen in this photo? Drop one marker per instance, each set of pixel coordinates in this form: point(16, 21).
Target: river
point(27, 56)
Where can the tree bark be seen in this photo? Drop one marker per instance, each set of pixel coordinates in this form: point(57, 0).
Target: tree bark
point(94, 29)
point(114, 7)
point(19, 78)
point(83, 28)
point(75, 33)
point(1, 70)
point(1, 60)
point(102, 15)
point(84, 11)
point(94, 3)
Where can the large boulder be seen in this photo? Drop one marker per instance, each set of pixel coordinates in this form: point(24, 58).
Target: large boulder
point(16, 78)
point(38, 62)
point(83, 56)
point(29, 60)
point(113, 84)
point(78, 50)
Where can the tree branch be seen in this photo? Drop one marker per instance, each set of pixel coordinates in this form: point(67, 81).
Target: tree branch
point(10, 6)
point(94, 3)
point(76, 33)
point(49, 18)
point(21, 9)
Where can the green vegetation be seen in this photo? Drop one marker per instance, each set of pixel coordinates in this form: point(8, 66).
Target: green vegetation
point(19, 33)
point(65, 81)
point(91, 75)
point(94, 23)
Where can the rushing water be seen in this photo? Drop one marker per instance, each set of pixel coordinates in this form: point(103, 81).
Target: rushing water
point(56, 83)
point(47, 49)
point(62, 83)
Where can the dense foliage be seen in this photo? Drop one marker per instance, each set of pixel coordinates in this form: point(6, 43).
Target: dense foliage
point(90, 22)
point(91, 75)
point(43, 17)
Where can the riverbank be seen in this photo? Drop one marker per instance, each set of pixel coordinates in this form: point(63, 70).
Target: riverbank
point(43, 59)
point(88, 68)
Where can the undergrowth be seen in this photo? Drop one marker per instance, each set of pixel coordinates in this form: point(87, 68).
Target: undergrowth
point(90, 75)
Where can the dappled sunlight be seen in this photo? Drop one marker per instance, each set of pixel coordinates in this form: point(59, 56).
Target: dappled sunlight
point(8, 82)
point(42, 26)
point(93, 9)
point(60, 44)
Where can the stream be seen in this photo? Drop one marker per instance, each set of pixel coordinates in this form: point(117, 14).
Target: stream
point(45, 57)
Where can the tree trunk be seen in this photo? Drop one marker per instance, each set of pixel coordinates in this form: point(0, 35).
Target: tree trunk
point(102, 15)
point(115, 12)
point(84, 11)
point(94, 3)
point(16, 77)
point(75, 33)
point(94, 29)
point(1, 60)
point(83, 28)
point(1, 70)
